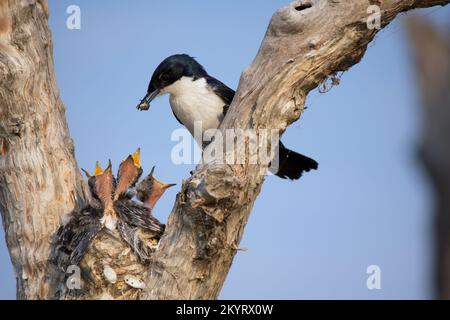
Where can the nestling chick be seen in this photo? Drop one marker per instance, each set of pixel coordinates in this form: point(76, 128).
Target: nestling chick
point(74, 238)
point(112, 207)
point(130, 171)
point(151, 189)
point(101, 185)
point(136, 224)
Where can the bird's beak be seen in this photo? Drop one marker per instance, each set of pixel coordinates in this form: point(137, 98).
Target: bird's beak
point(98, 169)
point(145, 102)
point(136, 157)
point(109, 168)
point(88, 175)
point(152, 172)
point(160, 184)
point(169, 185)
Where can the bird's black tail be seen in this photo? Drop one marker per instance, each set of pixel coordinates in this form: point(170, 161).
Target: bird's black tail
point(291, 164)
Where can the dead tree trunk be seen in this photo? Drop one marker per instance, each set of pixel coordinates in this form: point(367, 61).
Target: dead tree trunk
point(432, 56)
point(39, 178)
point(306, 42)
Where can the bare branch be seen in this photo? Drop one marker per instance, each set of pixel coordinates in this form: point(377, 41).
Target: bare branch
point(306, 41)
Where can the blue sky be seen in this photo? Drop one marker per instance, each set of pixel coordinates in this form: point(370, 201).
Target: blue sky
point(368, 204)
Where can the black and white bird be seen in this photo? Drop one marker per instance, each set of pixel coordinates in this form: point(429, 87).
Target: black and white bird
point(195, 96)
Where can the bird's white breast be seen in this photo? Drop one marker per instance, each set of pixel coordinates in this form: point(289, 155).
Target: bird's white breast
point(193, 101)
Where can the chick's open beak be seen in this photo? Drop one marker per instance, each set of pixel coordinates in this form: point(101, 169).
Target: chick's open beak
point(98, 169)
point(159, 185)
point(169, 185)
point(88, 175)
point(136, 157)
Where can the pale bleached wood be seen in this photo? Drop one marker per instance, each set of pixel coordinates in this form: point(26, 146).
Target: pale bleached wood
point(40, 181)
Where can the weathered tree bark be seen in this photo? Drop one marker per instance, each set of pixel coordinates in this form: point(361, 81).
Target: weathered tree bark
point(432, 56)
point(306, 41)
point(39, 178)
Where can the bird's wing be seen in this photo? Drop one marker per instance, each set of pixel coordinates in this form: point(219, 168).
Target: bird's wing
point(177, 118)
point(132, 236)
point(223, 91)
point(74, 238)
point(138, 216)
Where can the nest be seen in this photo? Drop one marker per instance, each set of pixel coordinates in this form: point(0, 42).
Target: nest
point(110, 270)
point(110, 241)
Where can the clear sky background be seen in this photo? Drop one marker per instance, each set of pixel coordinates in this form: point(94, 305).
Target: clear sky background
point(369, 203)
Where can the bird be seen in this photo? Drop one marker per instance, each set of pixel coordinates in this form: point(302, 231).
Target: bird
point(99, 186)
point(132, 213)
point(102, 185)
point(112, 207)
point(74, 237)
point(156, 188)
point(130, 170)
point(197, 96)
point(136, 225)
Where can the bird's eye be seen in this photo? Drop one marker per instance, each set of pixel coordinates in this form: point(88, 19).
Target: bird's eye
point(164, 77)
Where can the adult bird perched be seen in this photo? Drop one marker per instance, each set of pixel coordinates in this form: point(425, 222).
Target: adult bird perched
point(196, 96)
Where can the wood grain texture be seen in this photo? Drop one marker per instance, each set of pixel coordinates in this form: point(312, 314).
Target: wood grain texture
point(40, 181)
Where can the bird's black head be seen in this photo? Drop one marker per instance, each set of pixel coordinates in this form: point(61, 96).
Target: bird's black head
point(169, 71)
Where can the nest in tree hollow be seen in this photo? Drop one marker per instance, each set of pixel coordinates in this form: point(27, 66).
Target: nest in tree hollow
point(113, 237)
